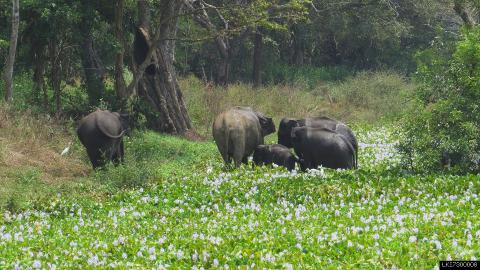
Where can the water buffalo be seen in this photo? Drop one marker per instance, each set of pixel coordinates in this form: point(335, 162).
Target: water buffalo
point(276, 154)
point(238, 131)
point(287, 124)
point(322, 146)
point(101, 132)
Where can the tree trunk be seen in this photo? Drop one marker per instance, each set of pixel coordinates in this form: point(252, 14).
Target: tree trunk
point(144, 14)
point(459, 8)
point(56, 75)
point(298, 45)
point(159, 88)
point(92, 65)
point(223, 72)
point(8, 75)
point(257, 58)
point(120, 86)
point(39, 86)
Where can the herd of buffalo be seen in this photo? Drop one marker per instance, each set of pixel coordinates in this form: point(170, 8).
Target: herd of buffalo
point(239, 132)
point(319, 141)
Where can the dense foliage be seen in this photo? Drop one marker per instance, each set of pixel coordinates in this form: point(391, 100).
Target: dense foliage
point(444, 128)
point(65, 43)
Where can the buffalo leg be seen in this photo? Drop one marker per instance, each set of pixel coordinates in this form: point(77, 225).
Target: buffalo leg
point(237, 158)
point(307, 164)
point(122, 151)
point(117, 156)
point(95, 157)
point(224, 153)
point(226, 158)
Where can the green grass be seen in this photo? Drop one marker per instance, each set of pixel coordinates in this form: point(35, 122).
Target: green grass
point(195, 214)
point(306, 77)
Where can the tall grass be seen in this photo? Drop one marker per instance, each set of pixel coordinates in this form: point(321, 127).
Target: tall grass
point(307, 76)
point(370, 96)
point(365, 97)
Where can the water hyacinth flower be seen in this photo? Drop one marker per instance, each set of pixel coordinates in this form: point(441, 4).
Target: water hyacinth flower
point(179, 254)
point(412, 239)
point(334, 236)
point(36, 264)
point(438, 244)
point(93, 260)
point(454, 243)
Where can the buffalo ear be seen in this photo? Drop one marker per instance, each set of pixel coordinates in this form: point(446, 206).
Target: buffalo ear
point(124, 116)
point(293, 123)
point(266, 123)
point(124, 120)
point(262, 119)
point(260, 115)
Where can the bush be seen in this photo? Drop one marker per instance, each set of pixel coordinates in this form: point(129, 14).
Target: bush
point(445, 124)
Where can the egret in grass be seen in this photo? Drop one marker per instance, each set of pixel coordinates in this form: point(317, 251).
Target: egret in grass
point(66, 150)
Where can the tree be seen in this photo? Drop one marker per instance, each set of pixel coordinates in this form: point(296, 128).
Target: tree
point(92, 63)
point(8, 73)
point(120, 86)
point(155, 80)
point(444, 129)
point(257, 58)
point(231, 22)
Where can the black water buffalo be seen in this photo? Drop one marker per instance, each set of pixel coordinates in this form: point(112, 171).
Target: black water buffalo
point(322, 146)
point(287, 124)
point(276, 154)
point(238, 131)
point(101, 132)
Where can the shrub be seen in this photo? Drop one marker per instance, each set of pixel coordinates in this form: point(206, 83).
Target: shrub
point(446, 123)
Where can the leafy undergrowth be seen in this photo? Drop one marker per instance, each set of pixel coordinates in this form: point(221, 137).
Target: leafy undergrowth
point(199, 215)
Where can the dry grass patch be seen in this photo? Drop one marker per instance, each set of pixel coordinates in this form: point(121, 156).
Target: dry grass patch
point(30, 147)
point(33, 141)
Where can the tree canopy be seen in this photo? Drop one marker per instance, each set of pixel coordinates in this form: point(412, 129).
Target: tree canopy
point(111, 48)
